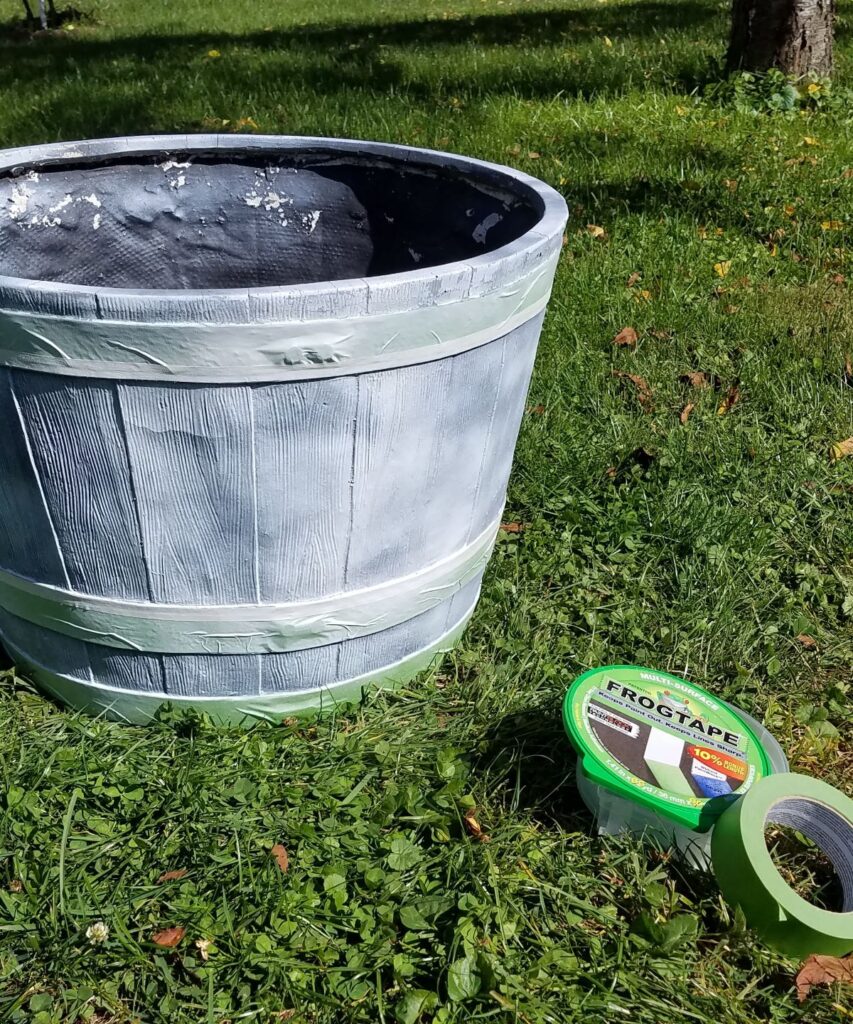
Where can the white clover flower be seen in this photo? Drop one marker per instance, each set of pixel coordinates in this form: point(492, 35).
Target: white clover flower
point(97, 933)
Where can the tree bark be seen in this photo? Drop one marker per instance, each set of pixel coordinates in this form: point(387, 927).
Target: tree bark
point(793, 35)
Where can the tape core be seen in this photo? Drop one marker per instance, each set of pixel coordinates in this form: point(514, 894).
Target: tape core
point(829, 830)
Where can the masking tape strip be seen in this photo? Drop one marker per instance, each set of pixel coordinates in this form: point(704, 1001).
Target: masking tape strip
point(245, 628)
point(748, 877)
point(136, 706)
point(270, 351)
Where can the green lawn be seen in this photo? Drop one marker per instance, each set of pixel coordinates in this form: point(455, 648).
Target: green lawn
point(721, 547)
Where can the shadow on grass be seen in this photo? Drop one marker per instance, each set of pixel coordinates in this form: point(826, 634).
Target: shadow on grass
point(530, 765)
point(361, 57)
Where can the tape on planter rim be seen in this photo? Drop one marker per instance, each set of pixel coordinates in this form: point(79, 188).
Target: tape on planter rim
point(663, 743)
point(748, 877)
point(245, 628)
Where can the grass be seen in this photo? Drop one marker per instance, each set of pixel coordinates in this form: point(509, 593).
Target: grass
point(720, 548)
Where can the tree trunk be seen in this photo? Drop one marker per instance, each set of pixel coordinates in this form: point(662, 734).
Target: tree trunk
point(793, 35)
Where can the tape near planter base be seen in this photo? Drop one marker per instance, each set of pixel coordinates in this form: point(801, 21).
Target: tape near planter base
point(748, 877)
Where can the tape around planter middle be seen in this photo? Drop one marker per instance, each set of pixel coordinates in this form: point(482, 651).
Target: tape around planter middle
point(660, 742)
point(748, 877)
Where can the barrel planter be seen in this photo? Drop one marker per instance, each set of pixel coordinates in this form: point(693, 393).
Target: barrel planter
point(258, 403)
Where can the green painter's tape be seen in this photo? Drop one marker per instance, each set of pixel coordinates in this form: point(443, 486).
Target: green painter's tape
point(247, 628)
point(748, 877)
point(137, 707)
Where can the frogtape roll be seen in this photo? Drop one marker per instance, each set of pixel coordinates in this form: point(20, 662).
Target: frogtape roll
point(748, 877)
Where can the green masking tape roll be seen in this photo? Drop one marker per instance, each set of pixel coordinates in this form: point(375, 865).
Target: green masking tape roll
point(748, 877)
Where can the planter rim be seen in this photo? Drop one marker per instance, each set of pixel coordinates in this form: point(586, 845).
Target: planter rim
point(444, 282)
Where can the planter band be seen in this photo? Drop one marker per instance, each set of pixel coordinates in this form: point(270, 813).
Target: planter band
point(220, 352)
point(244, 628)
point(749, 878)
point(137, 706)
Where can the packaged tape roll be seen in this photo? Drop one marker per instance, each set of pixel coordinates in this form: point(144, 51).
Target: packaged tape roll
point(748, 877)
point(661, 744)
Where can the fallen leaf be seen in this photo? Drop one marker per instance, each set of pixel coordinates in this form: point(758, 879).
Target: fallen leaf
point(633, 279)
point(281, 857)
point(536, 410)
point(626, 338)
point(513, 527)
point(823, 970)
point(473, 826)
point(807, 641)
point(722, 268)
point(596, 231)
point(685, 412)
point(696, 379)
point(172, 876)
point(841, 449)
point(644, 392)
point(730, 401)
point(169, 937)
point(203, 947)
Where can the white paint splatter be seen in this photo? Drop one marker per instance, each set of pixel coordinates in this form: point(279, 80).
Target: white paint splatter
point(172, 164)
point(482, 229)
point(67, 201)
point(19, 201)
point(96, 221)
point(309, 220)
point(416, 256)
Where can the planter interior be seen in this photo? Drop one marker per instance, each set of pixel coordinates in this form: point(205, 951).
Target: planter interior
point(229, 220)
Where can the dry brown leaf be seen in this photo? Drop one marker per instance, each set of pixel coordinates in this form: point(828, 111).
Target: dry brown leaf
point(644, 392)
point(169, 937)
point(807, 641)
point(685, 412)
point(730, 401)
point(596, 231)
point(627, 338)
point(633, 279)
point(281, 857)
point(473, 826)
point(513, 527)
point(842, 449)
point(823, 970)
point(172, 876)
point(696, 379)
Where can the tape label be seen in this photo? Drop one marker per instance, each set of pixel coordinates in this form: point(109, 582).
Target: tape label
point(661, 737)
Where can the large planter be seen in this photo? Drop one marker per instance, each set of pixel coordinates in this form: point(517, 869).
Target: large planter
point(258, 405)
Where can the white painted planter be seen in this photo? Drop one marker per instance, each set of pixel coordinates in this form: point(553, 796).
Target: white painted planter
point(258, 404)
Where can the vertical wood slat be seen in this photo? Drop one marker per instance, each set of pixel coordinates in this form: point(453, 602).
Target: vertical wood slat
point(190, 455)
point(27, 536)
point(81, 459)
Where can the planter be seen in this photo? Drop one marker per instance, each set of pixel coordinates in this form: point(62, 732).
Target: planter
point(258, 404)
